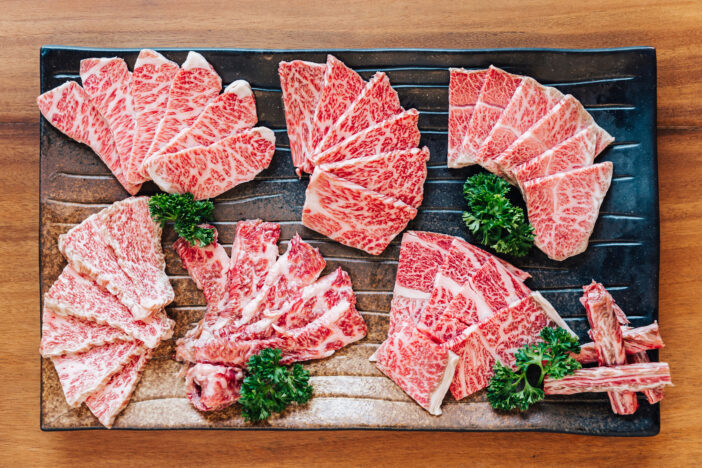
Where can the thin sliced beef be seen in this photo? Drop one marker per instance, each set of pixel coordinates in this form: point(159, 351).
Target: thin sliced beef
point(400, 174)
point(353, 215)
point(464, 88)
point(376, 102)
point(107, 82)
point(398, 132)
point(151, 80)
point(563, 208)
point(207, 172)
point(530, 102)
point(193, 87)
point(63, 334)
point(229, 113)
point(212, 387)
point(626, 378)
point(302, 84)
point(69, 109)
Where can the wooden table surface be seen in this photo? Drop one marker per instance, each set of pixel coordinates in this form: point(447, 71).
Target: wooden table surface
point(673, 27)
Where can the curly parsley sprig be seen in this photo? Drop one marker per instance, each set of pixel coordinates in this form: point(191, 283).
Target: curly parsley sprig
point(186, 214)
point(269, 387)
point(492, 217)
point(510, 389)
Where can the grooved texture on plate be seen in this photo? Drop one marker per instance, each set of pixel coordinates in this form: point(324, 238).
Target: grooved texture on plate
point(617, 86)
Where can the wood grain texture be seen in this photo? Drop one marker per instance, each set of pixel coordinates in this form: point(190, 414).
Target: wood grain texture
point(672, 27)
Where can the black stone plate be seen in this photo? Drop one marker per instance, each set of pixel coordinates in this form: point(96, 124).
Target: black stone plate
point(618, 86)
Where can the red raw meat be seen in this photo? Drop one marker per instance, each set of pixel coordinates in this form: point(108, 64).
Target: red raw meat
point(422, 368)
point(653, 395)
point(341, 88)
point(606, 333)
point(563, 208)
point(353, 215)
point(69, 109)
point(376, 102)
point(151, 81)
point(400, 174)
point(76, 295)
point(207, 172)
point(229, 113)
point(193, 87)
point(108, 402)
point(302, 84)
point(493, 288)
point(495, 95)
point(84, 373)
point(475, 362)
point(399, 132)
point(66, 334)
point(421, 256)
point(626, 378)
point(88, 253)
point(563, 121)
point(573, 153)
point(135, 238)
point(464, 88)
point(530, 102)
point(636, 341)
point(207, 266)
point(107, 82)
point(212, 388)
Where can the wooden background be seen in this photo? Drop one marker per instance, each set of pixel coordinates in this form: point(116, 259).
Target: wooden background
point(673, 27)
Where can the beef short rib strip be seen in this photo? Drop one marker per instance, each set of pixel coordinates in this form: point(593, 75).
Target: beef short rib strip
point(653, 395)
point(628, 378)
point(607, 334)
point(636, 340)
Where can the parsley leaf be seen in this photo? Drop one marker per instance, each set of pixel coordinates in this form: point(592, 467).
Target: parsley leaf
point(186, 214)
point(269, 387)
point(493, 219)
point(518, 389)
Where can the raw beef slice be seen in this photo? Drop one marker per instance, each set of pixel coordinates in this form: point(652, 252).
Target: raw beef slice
point(353, 215)
point(229, 113)
point(377, 102)
point(400, 174)
point(76, 295)
point(69, 109)
point(422, 368)
point(399, 132)
point(107, 82)
point(563, 208)
point(302, 84)
point(577, 151)
point(135, 238)
point(564, 120)
point(151, 80)
point(464, 88)
point(341, 88)
point(495, 95)
point(207, 172)
point(529, 103)
point(62, 334)
point(193, 87)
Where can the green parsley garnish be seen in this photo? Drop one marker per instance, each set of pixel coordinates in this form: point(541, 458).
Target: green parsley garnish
point(186, 215)
point(519, 389)
point(269, 387)
point(491, 217)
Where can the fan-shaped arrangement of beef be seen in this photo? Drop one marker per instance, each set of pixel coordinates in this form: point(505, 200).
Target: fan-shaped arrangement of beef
point(538, 139)
point(164, 123)
point(105, 314)
point(258, 300)
point(456, 310)
point(359, 144)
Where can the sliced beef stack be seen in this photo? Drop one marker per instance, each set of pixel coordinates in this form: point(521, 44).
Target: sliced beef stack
point(105, 314)
point(164, 123)
point(359, 144)
point(456, 310)
point(538, 139)
point(257, 300)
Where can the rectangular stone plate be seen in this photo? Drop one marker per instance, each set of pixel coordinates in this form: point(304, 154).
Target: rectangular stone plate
point(618, 86)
